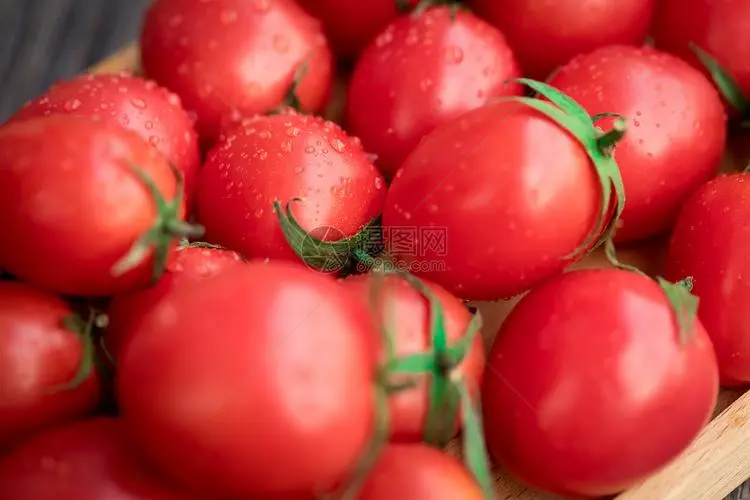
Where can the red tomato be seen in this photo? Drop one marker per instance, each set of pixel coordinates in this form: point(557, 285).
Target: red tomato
point(283, 157)
point(677, 130)
point(38, 357)
point(350, 26)
point(264, 379)
point(589, 387)
point(137, 104)
point(228, 58)
point(90, 460)
point(75, 206)
point(546, 34)
point(719, 27)
point(710, 243)
point(421, 72)
point(191, 264)
point(450, 221)
point(419, 472)
point(413, 335)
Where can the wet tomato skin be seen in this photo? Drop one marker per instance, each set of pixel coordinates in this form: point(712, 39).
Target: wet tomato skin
point(137, 104)
point(454, 220)
point(284, 157)
point(38, 357)
point(420, 72)
point(676, 127)
point(710, 242)
point(235, 57)
point(191, 264)
point(75, 207)
point(411, 315)
point(584, 367)
point(290, 406)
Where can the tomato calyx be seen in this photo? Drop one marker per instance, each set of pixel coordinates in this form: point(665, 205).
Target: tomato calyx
point(424, 5)
point(167, 227)
point(84, 328)
point(402, 6)
point(599, 146)
point(339, 256)
point(725, 82)
point(291, 98)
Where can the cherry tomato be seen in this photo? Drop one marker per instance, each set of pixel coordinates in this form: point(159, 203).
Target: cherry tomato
point(710, 243)
point(677, 127)
point(191, 264)
point(39, 358)
point(87, 460)
point(545, 35)
point(421, 72)
point(591, 386)
point(409, 312)
point(137, 104)
point(284, 157)
point(417, 471)
point(452, 222)
point(235, 57)
point(264, 378)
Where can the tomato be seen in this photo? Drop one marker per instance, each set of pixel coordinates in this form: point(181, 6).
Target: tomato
point(677, 127)
point(545, 35)
point(409, 311)
point(591, 385)
point(710, 243)
point(284, 157)
point(71, 197)
point(137, 104)
point(350, 26)
point(264, 378)
point(39, 357)
point(191, 264)
point(421, 72)
point(418, 471)
point(86, 460)
point(235, 57)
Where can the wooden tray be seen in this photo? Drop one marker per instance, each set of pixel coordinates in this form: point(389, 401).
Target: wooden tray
point(716, 463)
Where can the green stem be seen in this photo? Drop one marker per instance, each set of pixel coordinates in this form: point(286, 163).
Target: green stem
point(291, 98)
point(403, 6)
point(725, 82)
point(85, 331)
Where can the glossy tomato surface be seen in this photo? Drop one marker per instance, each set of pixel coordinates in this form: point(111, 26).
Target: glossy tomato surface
point(191, 264)
point(89, 460)
point(230, 58)
point(710, 242)
point(39, 357)
point(589, 387)
point(676, 127)
point(451, 220)
point(137, 104)
point(421, 72)
point(284, 157)
point(75, 207)
point(546, 34)
point(264, 378)
point(408, 312)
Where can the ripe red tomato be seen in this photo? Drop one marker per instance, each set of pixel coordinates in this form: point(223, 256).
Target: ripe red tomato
point(39, 357)
point(75, 206)
point(545, 35)
point(283, 157)
point(191, 264)
point(350, 26)
point(229, 58)
point(677, 127)
point(86, 460)
point(418, 471)
point(589, 387)
point(137, 104)
point(264, 378)
point(407, 310)
point(710, 242)
point(421, 72)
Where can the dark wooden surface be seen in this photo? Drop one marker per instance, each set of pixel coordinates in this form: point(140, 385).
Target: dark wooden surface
point(44, 40)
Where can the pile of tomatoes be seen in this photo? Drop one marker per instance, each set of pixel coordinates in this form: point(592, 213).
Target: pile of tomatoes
point(260, 271)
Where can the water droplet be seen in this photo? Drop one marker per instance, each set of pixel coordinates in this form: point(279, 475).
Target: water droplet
point(149, 125)
point(153, 140)
point(264, 134)
point(123, 90)
point(293, 131)
point(299, 169)
point(259, 213)
point(379, 183)
point(309, 149)
point(262, 155)
point(454, 55)
point(407, 215)
point(432, 208)
point(286, 146)
point(72, 104)
point(138, 103)
point(384, 39)
point(338, 145)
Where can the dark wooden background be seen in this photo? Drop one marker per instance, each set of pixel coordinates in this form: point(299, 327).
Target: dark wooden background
point(44, 40)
